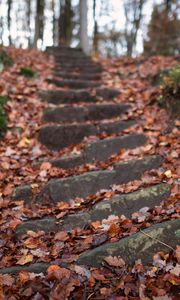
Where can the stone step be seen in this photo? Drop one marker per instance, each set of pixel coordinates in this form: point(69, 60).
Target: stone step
point(119, 205)
point(77, 96)
point(71, 60)
point(57, 137)
point(125, 204)
point(64, 50)
point(100, 150)
point(78, 76)
point(32, 268)
point(89, 183)
point(82, 69)
point(142, 245)
point(76, 63)
point(84, 113)
point(74, 83)
point(70, 55)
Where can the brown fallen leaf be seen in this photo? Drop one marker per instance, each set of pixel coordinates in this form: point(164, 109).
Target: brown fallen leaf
point(13, 223)
point(177, 253)
point(24, 276)
point(31, 243)
point(61, 236)
point(6, 280)
point(115, 261)
point(113, 230)
point(58, 273)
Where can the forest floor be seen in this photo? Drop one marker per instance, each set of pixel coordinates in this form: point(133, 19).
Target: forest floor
point(25, 161)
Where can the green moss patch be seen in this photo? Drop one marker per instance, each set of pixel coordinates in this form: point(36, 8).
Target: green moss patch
point(28, 72)
point(5, 59)
point(3, 100)
point(171, 92)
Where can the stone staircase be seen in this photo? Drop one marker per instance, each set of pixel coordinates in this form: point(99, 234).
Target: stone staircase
point(80, 110)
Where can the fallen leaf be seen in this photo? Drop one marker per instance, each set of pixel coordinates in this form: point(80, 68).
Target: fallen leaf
point(61, 236)
point(6, 280)
point(168, 174)
point(58, 273)
point(177, 253)
point(115, 261)
point(25, 259)
point(113, 230)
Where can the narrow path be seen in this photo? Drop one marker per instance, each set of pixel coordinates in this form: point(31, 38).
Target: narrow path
point(84, 106)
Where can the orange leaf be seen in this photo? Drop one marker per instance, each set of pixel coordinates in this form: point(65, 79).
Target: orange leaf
point(13, 223)
point(24, 276)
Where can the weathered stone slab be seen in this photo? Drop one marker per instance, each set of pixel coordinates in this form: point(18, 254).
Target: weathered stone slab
point(105, 111)
point(65, 52)
point(80, 63)
point(56, 137)
point(101, 150)
point(107, 93)
point(68, 162)
point(74, 83)
point(46, 224)
point(142, 245)
point(63, 49)
point(35, 268)
point(134, 169)
point(89, 183)
point(78, 76)
point(68, 96)
point(59, 136)
point(76, 96)
point(125, 204)
point(83, 68)
point(23, 192)
point(70, 56)
point(128, 203)
point(84, 113)
point(113, 127)
point(76, 186)
point(78, 60)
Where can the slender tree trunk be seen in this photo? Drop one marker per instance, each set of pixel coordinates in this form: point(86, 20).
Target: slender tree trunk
point(9, 20)
point(53, 21)
point(1, 27)
point(29, 21)
point(95, 36)
point(132, 9)
point(84, 42)
point(39, 21)
point(65, 23)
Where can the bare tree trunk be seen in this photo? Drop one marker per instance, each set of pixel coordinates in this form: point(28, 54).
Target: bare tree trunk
point(133, 15)
point(95, 36)
point(39, 21)
point(29, 21)
point(65, 23)
point(9, 21)
point(1, 27)
point(84, 42)
point(53, 21)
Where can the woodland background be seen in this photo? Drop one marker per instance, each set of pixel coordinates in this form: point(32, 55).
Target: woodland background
point(121, 27)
